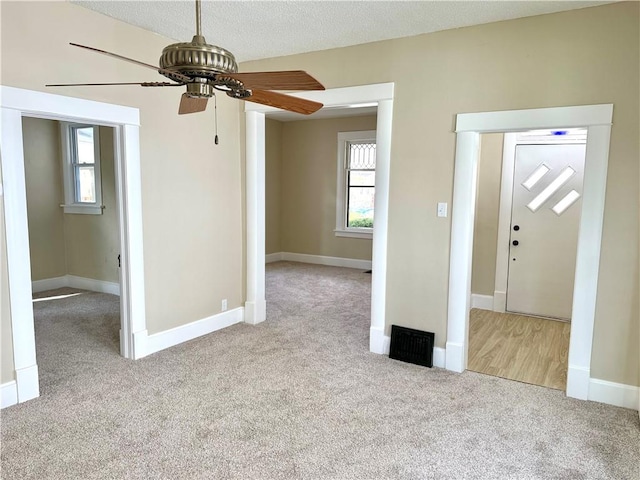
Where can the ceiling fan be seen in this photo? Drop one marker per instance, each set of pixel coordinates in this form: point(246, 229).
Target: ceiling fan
point(205, 68)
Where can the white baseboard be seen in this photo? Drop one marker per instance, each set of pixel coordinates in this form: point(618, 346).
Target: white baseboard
point(578, 382)
point(380, 343)
point(319, 260)
point(27, 383)
point(454, 358)
point(75, 282)
point(9, 394)
point(273, 257)
point(49, 284)
point(617, 394)
point(499, 301)
point(255, 312)
point(94, 285)
point(483, 302)
point(439, 357)
point(169, 338)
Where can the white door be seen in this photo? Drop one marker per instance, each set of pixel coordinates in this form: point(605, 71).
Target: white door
point(545, 216)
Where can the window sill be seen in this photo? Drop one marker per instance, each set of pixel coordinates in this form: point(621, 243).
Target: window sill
point(83, 209)
point(354, 233)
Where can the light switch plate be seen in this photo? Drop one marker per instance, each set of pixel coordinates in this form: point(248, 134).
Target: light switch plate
point(442, 209)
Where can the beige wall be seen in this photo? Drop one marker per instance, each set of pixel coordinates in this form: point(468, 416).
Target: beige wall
point(191, 189)
point(45, 194)
point(273, 189)
point(91, 241)
point(308, 188)
point(586, 56)
point(59, 243)
point(485, 235)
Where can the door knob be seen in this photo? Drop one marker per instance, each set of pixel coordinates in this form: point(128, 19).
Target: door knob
point(515, 243)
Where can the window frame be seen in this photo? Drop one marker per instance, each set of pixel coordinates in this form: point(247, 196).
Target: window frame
point(69, 166)
point(342, 230)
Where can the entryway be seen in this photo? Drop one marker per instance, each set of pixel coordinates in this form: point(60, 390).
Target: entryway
point(518, 347)
point(597, 120)
point(526, 229)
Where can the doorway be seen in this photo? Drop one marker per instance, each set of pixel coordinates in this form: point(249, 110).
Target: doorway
point(366, 95)
point(532, 182)
point(597, 120)
point(18, 103)
point(73, 244)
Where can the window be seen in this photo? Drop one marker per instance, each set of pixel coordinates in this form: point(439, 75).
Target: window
point(356, 184)
point(81, 168)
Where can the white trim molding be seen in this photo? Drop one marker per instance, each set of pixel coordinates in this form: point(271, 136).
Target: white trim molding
point(483, 302)
point(611, 393)
point(74, 281)
point(147, 344)
point(273, 257)
point(500, 301)
point(504, 222)
point(469, 126)
point(256, 304)
point(9, 395)
point(578, 381)
point(353, 233)
point(380, 94)
point(439, 357)
point(94, 285)
point(319, 260)
point(27, 383)
point(16, 103)
point(378, 342)
point(45, 284)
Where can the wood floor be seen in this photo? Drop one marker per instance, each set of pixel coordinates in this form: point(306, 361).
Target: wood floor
point(517, 347)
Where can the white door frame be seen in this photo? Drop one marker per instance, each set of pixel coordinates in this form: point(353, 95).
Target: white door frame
point(16, 103)
point(380, 94)
point(469, 126)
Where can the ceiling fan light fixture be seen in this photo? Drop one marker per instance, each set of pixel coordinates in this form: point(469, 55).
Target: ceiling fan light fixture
point(200, 90)
point(196, 59)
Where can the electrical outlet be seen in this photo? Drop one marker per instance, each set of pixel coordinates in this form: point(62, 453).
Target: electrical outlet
point(224, 305)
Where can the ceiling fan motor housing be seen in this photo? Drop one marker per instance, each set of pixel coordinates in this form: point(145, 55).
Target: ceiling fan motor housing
point(205, 64)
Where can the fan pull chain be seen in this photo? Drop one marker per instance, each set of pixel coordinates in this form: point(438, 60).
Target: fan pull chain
point(215, 116)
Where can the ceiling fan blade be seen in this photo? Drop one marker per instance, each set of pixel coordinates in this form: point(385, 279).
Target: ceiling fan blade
point(142, 84)
point(191, 104)
point(184, 78)
point(283, 80)
point(284, 102)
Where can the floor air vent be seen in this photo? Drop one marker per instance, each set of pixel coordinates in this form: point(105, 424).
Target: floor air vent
point(412, 346)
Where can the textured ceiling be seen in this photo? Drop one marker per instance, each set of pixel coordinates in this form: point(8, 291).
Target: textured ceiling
point(263, 29)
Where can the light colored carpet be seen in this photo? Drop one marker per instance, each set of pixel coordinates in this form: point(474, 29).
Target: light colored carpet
point(298, 396)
